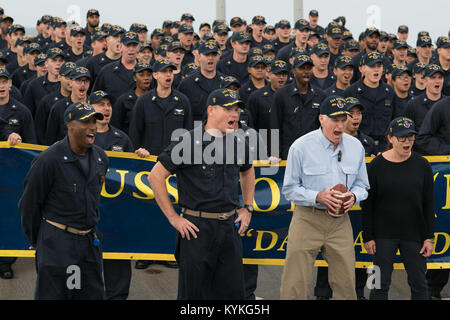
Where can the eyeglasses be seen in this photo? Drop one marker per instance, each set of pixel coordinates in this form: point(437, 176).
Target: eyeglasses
point(404, 77)
point(410, 138)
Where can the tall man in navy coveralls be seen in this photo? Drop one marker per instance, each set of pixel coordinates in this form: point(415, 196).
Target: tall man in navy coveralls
point(209, 248)
point(59, 209)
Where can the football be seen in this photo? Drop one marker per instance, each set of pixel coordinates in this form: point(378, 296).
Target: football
point(341, 196)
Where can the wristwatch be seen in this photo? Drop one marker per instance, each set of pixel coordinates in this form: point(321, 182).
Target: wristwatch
point(249, 207)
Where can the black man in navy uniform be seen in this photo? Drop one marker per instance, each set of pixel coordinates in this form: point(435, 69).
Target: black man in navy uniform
point(59, 210)
point(297, 105)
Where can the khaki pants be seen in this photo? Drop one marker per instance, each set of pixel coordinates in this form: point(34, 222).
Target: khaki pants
point(312, 231)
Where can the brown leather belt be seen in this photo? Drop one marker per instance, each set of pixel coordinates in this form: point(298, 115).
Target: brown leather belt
point(67, 228)
point(313, 209)
point(209, 215)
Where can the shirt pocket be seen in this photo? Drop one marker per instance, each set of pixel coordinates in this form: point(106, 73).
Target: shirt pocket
point(314, 170)
point(350, 173)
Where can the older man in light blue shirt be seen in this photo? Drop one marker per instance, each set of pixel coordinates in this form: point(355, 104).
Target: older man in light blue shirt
point(316, 162)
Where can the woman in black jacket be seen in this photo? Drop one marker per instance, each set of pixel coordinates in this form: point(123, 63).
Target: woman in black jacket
point(399, 211)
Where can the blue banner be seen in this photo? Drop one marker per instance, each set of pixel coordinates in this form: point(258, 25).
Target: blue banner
point(134, 227)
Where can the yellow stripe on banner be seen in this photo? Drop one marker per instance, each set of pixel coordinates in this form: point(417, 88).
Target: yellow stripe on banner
point(129, 155)
point(170, 257)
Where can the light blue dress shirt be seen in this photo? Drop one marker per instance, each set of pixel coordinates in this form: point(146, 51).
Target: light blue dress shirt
point(313, 166)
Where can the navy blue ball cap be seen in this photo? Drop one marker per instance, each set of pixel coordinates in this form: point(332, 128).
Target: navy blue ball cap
point(4, 73)
point(279, 66)
point(67, 68)
point(54, 52)
point(241, 36)
point(431, 69)
point(371, 58)
point(98, 95)
point(424, 41)
point(343, 61)
point(255, 60)
point(81, 111)
point(351, 102)
point(228, 81)
point(141, 66)
point(320, 49)
point(400, 44)
point(80, 72)
point(334, 106)
point(225, 98)
point(302, 24)
point(301, 59)
point(184, 28)
point(401, 126)
point(162, 64)
point(398, 70)
point(207, 47)
point(129, 37)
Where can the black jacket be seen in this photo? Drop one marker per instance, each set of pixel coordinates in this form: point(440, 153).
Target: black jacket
point(36, 90)
point(378, 113)
point(114, 79)
point(434, 134)
point(152, 124)
point(56, 188)
point(293, 117)
point(19, 120)
point(196, 89)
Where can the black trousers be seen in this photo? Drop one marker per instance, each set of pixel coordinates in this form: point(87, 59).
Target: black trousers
point(437, 280)
point(415, 265)
point(6, 262)
point(323, 289)
point(69, 267)
point(117, 275)
point(210, 266)
point(251, 280)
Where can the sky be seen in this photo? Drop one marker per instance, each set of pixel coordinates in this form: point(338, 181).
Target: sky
point(431, 15)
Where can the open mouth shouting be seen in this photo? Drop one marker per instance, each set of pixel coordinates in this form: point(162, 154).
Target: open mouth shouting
point(90, 137)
